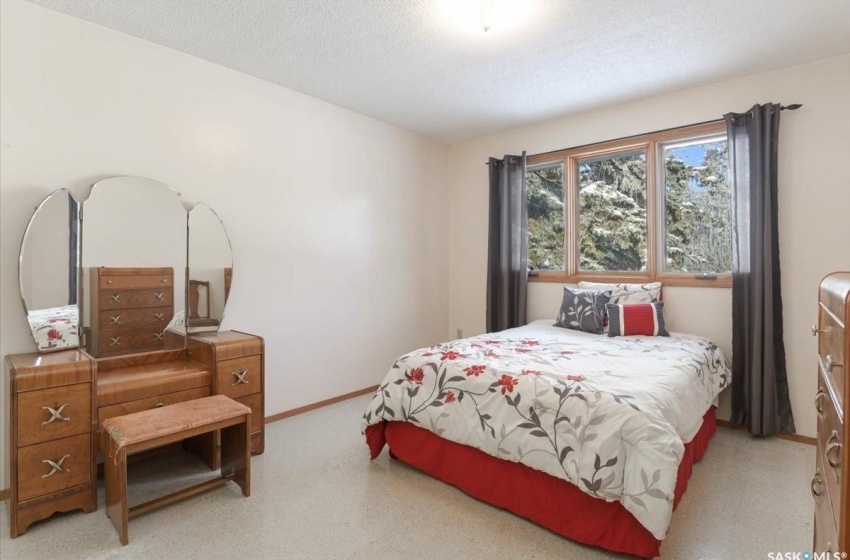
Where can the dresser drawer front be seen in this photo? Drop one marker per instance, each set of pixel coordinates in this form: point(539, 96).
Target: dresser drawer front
point(106, 412)
point(136, 281)
point(129, 299)
point(54, 413)
point(830, 449)
point(831, 351)
point(255, 403)
point(239, 377)
point(49, 467)
point(124, 319)
point(122, 342)
point(826, 534)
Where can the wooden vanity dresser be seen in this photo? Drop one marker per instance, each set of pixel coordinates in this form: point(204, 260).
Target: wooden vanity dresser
point(830, 488)
point(59, 402)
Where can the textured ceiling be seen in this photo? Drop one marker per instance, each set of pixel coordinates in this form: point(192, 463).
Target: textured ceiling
point(409, 63)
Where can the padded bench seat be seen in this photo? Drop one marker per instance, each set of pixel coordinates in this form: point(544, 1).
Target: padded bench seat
point(140, 431)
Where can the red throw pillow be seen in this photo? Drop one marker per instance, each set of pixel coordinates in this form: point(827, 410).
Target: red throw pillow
point(636, 319)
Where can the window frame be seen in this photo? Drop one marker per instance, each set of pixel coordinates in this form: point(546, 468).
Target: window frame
point(651, 144)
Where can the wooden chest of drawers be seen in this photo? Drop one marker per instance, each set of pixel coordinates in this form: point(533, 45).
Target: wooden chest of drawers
point(130, 308)
point(52, 441)
point(829, 485)
point(238, 362)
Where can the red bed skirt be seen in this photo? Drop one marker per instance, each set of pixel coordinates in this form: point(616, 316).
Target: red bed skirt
point(532, 494)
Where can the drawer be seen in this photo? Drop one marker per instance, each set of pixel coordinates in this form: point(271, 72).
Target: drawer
point(36, 475)
point(40, 371)
point(239, 377)
point(830, 448)
point(135, 281)
point(128, 299)
point(121, 342)
point(255, 403)
point(831, 351)
point(130, 407)
point(55, 413)
point(124, 319)
point(826, 533)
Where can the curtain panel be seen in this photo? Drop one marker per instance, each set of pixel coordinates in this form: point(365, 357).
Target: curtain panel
point(507, 256)
point(760, 398)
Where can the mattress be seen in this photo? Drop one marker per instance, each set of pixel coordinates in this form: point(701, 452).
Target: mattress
point(609, 415)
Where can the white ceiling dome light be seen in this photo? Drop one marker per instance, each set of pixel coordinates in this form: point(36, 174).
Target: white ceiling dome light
point(488, 16)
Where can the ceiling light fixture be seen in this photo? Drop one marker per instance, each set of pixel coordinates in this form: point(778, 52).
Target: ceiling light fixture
point(488, 16)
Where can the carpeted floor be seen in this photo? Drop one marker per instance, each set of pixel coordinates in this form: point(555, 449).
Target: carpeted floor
point(316, 495)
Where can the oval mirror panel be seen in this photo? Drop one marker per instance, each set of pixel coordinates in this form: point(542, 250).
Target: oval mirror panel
point(48, 272)
point(210, 270)
point(134, 267)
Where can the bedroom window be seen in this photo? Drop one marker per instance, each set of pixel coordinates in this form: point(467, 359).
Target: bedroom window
point(640, 209)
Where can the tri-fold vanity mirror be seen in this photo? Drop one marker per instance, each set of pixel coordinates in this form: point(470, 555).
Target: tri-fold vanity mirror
point(128, 270)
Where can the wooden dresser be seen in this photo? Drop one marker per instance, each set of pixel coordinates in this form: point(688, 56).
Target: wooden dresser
point(59, 402)
point(51, 437)
point(130, 308)
point(829, 484)
point(238, 362)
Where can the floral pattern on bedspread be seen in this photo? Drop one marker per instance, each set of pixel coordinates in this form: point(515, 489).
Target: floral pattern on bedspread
point(608, 415)
point(55, 328)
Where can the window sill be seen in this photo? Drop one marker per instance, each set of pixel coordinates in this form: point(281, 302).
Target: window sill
point(673, 280)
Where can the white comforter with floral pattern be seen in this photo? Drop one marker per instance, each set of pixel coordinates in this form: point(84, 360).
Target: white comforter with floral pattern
point(610, 415)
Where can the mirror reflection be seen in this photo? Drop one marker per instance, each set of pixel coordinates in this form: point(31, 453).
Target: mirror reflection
point(210, 270)
point(133, 267)
point(48, 272)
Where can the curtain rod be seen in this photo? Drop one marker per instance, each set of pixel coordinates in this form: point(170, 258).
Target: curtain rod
point(792, 107)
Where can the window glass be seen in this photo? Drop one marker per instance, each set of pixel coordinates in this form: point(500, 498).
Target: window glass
point(697, 200)
point(612, 212)
point(546, 216)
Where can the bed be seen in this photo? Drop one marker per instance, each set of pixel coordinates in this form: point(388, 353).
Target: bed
point(55, 328)
point(591, 436)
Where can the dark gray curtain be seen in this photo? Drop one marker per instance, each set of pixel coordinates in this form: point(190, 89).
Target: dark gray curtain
point(759, 378)
point(507, 263)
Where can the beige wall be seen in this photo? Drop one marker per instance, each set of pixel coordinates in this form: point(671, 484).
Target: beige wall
point(814, 203)
point(337, 221)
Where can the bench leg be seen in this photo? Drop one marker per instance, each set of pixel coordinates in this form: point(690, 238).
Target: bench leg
point(115, 471)
point(236, 454)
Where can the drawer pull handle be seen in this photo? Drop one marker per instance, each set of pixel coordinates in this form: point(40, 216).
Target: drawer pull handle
point(821, 394)
point(55, 414)
point(831, 363)
point(55, 466)
point(115, 341)
point(832, 444)
point(165, 280)
point(158, 336)
point(116, 298)
point(109, 281)
point(241, 377)
point(816, 482)
point(158, 296)
point(159, 316)
point(159, 405)
point(116, 320)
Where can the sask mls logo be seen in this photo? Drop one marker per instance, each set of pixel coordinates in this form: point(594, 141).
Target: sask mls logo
point(806, 555)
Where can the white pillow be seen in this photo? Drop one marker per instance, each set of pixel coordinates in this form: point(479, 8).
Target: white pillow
point(627, 293)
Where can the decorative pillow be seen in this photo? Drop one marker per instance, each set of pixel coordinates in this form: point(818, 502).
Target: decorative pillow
point(636, 319)
point(583, 310)
point(627, 293)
